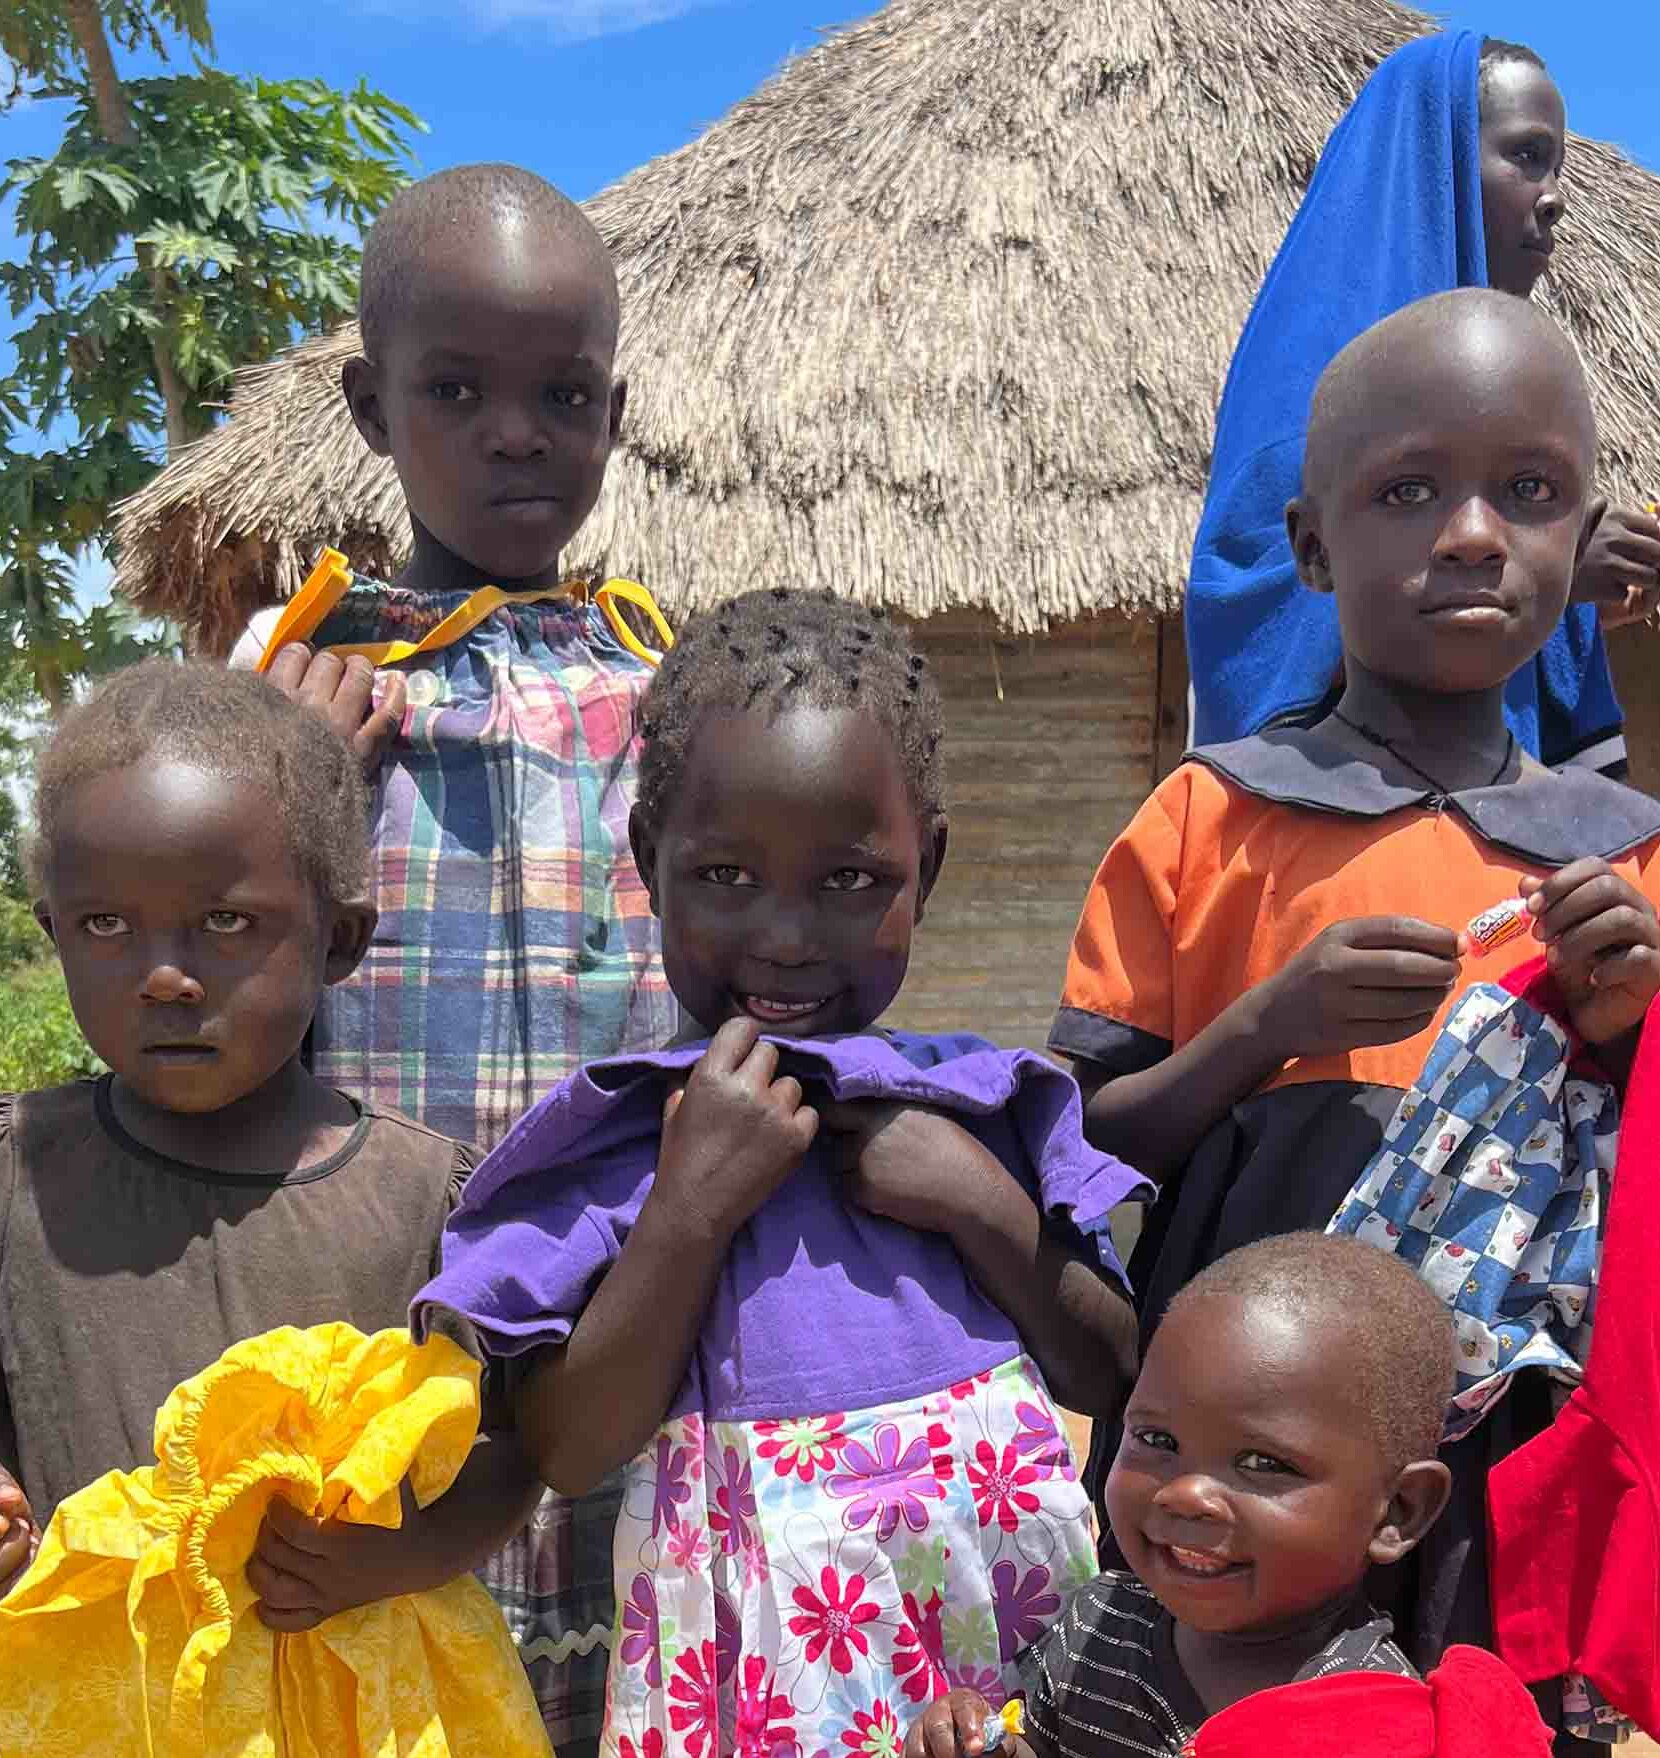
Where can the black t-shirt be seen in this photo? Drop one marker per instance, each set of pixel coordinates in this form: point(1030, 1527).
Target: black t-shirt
point(124, 1273)
point(1106, 1678)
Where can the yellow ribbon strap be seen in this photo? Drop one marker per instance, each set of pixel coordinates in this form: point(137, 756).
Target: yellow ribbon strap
point(330, 579)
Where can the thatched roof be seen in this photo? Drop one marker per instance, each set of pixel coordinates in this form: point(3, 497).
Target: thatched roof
point(938, 317)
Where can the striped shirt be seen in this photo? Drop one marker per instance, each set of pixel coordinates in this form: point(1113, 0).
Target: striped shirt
point(1106, 1679)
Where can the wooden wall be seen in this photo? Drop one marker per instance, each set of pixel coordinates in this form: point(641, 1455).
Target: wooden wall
point(1050, 748)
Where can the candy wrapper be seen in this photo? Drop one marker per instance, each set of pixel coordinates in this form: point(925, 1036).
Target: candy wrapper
point(1502, 923)
point(1005, 1724)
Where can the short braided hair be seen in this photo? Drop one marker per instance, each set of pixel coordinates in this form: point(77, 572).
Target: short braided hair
point(456, 205)
point(227, 723)
point(779, 648)
point(1393, 1333)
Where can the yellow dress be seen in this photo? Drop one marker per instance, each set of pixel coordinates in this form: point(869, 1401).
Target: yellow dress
point(133, 1635)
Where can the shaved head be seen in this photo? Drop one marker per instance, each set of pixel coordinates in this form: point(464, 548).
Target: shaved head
point(460, 210)
point(1441, 351)
point(1390, 1337)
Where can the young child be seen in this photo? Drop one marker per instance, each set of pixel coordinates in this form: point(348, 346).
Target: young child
point(1279, 1443)
point(515, 938)
point(200, 865)
point(810, 1281)
point(1268, 950)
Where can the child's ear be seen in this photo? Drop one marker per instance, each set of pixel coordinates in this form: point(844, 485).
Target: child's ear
point(44, 916)
point(1313, 566)
point(360, 380)
point(933, 858)
point(1421, 1493)
point(642, 838)
point(349, 936)
point(619, 402)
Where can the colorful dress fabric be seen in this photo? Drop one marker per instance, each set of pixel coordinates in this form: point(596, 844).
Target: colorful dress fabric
point(1492, 1186)
point(861, 1487)
point(134, 1634)
point(515, 942)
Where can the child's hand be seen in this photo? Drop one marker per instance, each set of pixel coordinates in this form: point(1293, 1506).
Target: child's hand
point(1603, 945)
point(1620, 570)
point(19, 1534)
point(950, 1727)
point(906, 1162)
point(305, 1570)
point(342, 692)
point(733, 1133)
point(1368, 981)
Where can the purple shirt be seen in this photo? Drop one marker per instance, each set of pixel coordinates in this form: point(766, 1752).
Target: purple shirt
point(819, 1306)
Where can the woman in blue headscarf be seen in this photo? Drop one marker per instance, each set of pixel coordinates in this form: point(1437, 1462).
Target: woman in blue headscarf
point(1443, 174)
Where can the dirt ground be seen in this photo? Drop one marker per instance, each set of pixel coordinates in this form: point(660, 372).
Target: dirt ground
point(1078, 1428)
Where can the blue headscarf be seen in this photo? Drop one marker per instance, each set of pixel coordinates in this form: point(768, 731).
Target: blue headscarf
point(1393, 214)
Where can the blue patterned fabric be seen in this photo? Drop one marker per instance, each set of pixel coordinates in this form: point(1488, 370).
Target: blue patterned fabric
point(1492, 1183)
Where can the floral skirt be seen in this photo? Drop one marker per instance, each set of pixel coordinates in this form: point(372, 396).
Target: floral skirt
point(803, 1588)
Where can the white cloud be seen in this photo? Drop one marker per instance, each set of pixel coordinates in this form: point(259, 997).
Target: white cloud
point(576, 21)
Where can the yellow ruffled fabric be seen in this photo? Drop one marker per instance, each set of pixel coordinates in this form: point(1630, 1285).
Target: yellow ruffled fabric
point(133, 1635)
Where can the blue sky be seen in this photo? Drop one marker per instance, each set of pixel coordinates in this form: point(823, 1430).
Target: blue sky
point(583, 90)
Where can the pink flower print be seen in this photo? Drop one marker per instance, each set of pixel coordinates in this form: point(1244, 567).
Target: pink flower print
point(805, 1446)
point(671, 1490)
point(689, 1547)
point(641, 1643)
point(727, 1637)
point(984, 1680)
point(874, 1733)
point(764, 1728)
point(918, 1650)
point(757, 1570)
point(1025, 1608)
point(734, 1505)
point(651, 1744)
point(693, 1707)
point(999, 1486)
point(939, 1438)
point(965, 1388)
point(887, 1485)
point(1039, 1441)
point(834, 1621)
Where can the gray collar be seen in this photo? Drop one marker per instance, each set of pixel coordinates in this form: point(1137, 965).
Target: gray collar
point(1552, 818)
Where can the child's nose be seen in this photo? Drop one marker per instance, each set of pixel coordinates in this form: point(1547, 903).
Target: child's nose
point(170, 984)
point(1474, 536)
point(1193, 1496)
point(786, 936)
point(517, 433)
point(1552, 203)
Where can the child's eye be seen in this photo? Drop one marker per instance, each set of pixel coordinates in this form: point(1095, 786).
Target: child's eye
point(726, 875)
point(226, 921)
point(452, 390)
point(570, 397)
point(1412, 493)
point(106, 927)
point(849, 879)
point(1267, 1464)
point(1156, 1438)
point(1535, 490)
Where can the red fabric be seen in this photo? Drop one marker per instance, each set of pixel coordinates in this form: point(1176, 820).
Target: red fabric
point(1471, 1706)
point(1575, 1514)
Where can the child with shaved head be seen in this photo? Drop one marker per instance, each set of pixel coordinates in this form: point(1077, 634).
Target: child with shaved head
point(515, 940)
point(1280, 1442)
point(1270, 949)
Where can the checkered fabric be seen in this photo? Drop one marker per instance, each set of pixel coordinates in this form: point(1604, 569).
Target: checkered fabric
point(1492, 1183)
point(515, 942)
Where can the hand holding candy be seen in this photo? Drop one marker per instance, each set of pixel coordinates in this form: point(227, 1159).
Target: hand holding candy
point(964, 1725)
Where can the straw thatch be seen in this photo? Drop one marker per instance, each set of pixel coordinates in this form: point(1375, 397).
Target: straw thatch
point(938, 317)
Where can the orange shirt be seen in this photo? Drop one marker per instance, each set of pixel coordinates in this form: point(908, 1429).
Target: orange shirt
point(1222, 879)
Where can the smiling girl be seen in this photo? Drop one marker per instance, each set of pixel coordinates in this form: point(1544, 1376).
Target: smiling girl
point(810, 1280)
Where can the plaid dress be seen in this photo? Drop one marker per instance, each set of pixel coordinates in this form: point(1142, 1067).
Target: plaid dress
point(515, 942)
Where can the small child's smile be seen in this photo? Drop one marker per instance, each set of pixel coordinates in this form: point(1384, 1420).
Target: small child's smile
point(773, 1010)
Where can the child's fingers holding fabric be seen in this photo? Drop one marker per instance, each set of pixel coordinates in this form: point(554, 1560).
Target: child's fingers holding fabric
point(908, 1163)
point(305, 1570)
point(19, 1535)
point(1602, 941)
point(342, 692)
point(734, 1134)
point(952, 1727)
